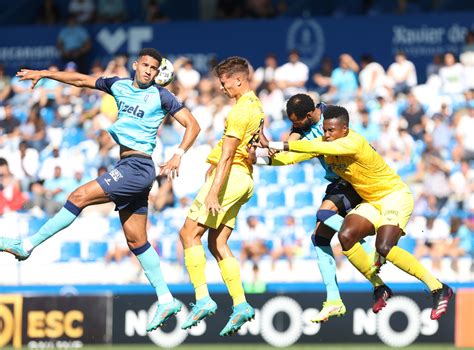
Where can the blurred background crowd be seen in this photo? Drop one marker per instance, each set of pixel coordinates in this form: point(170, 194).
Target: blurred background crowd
point(53, 139)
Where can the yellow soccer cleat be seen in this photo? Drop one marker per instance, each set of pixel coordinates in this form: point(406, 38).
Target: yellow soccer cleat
point(330, 309)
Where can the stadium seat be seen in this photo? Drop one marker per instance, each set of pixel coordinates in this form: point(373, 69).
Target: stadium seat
point(275, 200)
point(408, 243)
point(70, 251)
point(253, 201)
point(114, 224)
point(268, 176)
point(296, 176)
point(304, 199)
point(235, 245)
point(279, 221)
point(35, 223)
point(309, 222)
point(97, 250)
point(72, 137)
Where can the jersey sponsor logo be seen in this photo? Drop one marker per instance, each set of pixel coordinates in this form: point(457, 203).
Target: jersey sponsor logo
point(116, 175)
point(129, 109)
point(107, 181)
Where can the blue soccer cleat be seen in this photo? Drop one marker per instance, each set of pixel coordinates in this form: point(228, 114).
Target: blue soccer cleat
point(204, 307)
point(163, 313)
point(241, 313)
point(14, 247)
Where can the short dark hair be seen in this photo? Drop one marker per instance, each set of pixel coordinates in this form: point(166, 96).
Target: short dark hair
point(336, 112)
point(149, 51)
point(300, 105)
point(232, 65)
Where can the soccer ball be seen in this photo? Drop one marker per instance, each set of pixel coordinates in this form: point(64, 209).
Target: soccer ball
point(165, 72)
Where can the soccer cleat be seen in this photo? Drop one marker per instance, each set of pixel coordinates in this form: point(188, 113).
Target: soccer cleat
point(241, 314)
point(163, 313)
point(204, 307)
point(330, 309)
point(14, 247)
point(381, 295)
point(440, 301)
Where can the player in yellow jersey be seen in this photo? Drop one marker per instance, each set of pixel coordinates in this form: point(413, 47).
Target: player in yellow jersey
point(229, 185)
point(386, 206)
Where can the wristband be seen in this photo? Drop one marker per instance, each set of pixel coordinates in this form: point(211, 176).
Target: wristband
point(264, 161)
point(179, 151)
point(277, 145)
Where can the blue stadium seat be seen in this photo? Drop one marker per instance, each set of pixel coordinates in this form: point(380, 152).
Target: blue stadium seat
point(304, 199)
point(279, 221)
point(408, 243)
point(296, 176)
point(72, 137)
point(97, 250)
point(253, 201)
point(268, 176)
point(309, 222)
point(114, 224)
point(235, 246)
point(70, 251)
point(35, 223)
point(275, 200)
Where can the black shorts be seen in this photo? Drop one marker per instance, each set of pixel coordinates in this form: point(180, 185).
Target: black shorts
point(343, 195)
point(129, 184)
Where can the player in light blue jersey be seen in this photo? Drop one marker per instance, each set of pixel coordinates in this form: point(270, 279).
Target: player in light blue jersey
point(339, 199)
point(142, 107)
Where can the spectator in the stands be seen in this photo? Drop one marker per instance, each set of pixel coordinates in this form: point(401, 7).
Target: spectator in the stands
point(111, 11)
point(82, 10)
point(11, 197)
point(402, 74)
point(74, 44)
point(5, 85)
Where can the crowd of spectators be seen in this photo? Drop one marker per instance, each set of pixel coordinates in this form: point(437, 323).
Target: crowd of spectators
point(52, 12)
point(53, 138)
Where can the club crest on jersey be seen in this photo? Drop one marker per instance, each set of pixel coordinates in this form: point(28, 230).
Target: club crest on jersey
point(133, 110)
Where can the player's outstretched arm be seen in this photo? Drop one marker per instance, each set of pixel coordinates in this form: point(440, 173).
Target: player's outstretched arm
point(186, 119)
point(71, 78)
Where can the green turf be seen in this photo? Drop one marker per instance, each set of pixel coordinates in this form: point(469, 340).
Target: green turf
point(262, 346)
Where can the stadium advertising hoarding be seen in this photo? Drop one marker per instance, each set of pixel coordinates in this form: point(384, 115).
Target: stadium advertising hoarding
point(54, 322)
point(420, 36)
point(283, 320)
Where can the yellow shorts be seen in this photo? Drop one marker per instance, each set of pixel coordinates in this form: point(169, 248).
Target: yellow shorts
point(394, 209)
point(235, 192)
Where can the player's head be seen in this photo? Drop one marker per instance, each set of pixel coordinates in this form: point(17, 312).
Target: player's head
point(146, 67)
point(301, 111)
point(336, 123)
point(233, 73)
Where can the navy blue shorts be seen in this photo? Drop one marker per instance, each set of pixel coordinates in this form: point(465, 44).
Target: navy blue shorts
point(129, 183)
point(343, 195)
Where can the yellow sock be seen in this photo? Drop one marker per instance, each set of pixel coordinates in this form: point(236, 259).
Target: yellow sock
point(230, 271)
point(408, 263)
point(362, 262)
point(195, 261)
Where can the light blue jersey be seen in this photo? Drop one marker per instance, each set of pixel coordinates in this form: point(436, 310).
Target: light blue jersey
point(316, 131)
point(140, 112)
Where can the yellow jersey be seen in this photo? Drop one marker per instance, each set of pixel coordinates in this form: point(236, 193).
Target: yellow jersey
point(353, 158)
point(243, 121)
